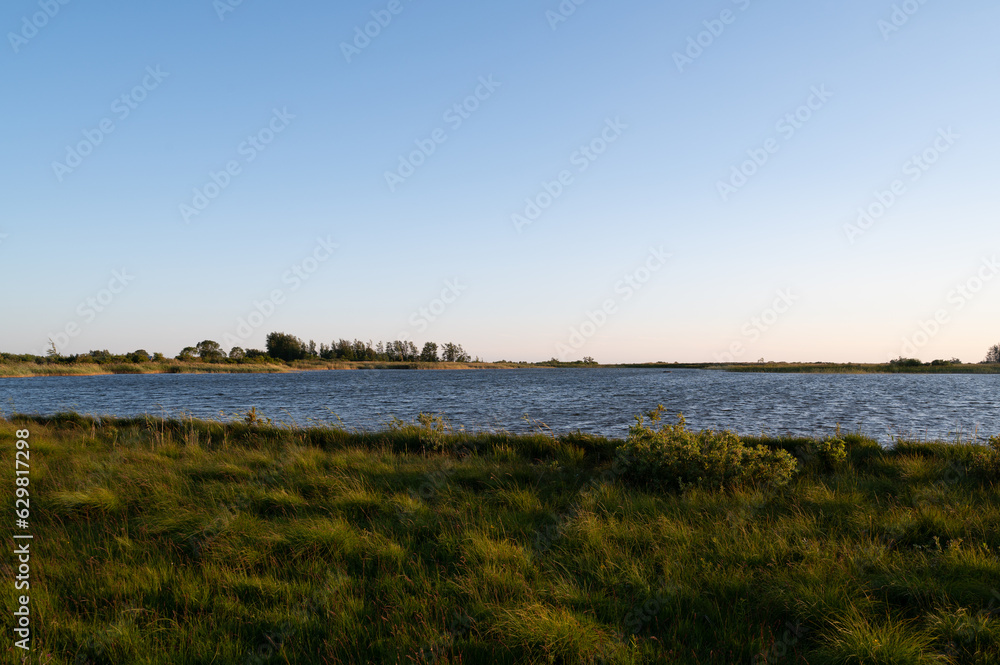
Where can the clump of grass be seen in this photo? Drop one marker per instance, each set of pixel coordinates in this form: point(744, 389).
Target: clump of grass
point(969, 636)
point(94, 500)
point(553, 632)
point(673, 457)
point(860, 640)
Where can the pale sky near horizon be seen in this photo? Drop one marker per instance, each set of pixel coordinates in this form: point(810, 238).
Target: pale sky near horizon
point(526, 183)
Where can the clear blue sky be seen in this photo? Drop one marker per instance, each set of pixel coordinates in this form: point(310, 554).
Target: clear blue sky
point(668, 130)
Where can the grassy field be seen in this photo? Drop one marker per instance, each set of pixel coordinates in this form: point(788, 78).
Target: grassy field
point(206, 542)
point(28, 369)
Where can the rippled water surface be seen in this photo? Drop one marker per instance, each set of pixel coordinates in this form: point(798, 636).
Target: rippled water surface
point(601, 401)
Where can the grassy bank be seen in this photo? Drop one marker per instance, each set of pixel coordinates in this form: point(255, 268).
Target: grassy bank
point(201, 542)
point(828, 368)
point(862, 368)
point(28, 369)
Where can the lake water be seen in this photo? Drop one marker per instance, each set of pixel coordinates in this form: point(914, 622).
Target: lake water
point(601, 401)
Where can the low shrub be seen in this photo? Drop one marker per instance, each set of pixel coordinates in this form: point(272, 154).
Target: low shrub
point(826, 455)
point(986, 464)
point(673, 457)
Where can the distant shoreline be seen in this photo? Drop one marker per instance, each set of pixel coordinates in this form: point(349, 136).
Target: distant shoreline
point(32, 370)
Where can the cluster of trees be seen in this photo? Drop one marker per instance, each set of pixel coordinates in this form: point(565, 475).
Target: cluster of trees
point(104, 357)
point(555, 362)
point(992, 358)
point(288, 347)
point(913, 362)
point(211, 352)
point(280, 346)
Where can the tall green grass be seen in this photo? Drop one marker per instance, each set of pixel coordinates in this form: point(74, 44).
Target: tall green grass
point(166, 541)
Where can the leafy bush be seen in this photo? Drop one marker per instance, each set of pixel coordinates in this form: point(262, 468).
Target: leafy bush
point(673, 457)
point(429, 430)
point(986, 464)
point(826, 455)
point(833, 452)
point(255, 419)
point(140, 356)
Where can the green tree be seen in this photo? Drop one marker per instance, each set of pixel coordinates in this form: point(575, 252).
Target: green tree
point(187, 353)
point(237, 353)
point(140, 356)
point(210, 351)
point(429, 354)
point(285, 347)
point(454, 353)
point(344, 350)
point(993, 355)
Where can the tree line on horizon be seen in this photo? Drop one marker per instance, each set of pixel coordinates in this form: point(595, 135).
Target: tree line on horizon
point(289, 348)
point(279, 347)
point(992, 358)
